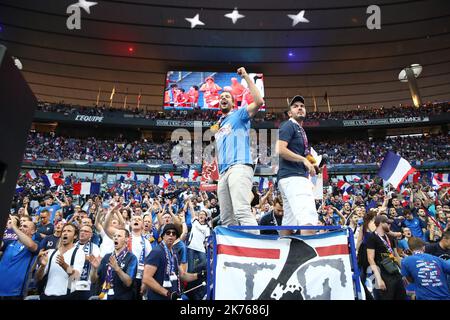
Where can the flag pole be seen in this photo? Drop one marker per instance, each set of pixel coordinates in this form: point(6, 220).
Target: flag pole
point(112, 96)
point(315, 103)
point(125, 100)
point(98, 96)
point(139, 99)
point(329, 107)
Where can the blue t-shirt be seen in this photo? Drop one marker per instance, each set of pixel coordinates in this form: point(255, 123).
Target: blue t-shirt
point(49, 242)
point(129, 266)
point(429, 274)
point(52, 209)
point(233, 140)
point(14, 267)
point(180, 250)
point(403, 244)
point(415, 225)
point(157, 258)
point(292, 134)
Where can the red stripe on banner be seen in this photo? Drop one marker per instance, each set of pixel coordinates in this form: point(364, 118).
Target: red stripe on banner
point(248, 252)
point(332, 250)
point(121, 165)
point(410, 171)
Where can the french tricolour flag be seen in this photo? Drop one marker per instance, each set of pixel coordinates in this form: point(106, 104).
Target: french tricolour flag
point(131, 175)
point(395, 169)
point(86, 188)
point(52, 179)
point(440, 180)
point(160, 181)
point(32, 174)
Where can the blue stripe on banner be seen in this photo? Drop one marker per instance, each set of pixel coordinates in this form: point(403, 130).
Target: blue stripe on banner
point(389, 164)
point(240, 234)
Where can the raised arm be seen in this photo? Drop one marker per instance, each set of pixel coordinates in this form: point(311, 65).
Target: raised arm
point(22, 237)
point(258, 101)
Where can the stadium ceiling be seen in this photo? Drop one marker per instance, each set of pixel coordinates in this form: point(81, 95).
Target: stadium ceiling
point(132, 44)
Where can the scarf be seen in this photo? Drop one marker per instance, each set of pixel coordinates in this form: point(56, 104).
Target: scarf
point(172, 263)
point(108, 284)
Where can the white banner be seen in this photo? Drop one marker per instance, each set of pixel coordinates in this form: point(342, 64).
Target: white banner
point(251, 267)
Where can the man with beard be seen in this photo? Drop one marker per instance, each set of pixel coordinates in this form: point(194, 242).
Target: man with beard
point(294, 170)
point(89, 248)
point(383, 259)
point(62, 266)
point(117, 270)
point(274, 217)
point(162, 274)
point(234, 158)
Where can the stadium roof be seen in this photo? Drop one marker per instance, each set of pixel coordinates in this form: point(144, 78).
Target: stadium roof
point(132, 44)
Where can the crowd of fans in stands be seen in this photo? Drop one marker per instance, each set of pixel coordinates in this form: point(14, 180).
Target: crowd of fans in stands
point(49, 146)
point(211, 115)
point(418, 211)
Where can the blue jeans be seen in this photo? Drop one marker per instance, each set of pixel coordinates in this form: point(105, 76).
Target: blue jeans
point(196, 260)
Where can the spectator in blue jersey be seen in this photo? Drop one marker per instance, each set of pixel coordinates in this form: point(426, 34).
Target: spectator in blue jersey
point(234, 157)
point(427, 272)
point(294, 170)
point(116, 270)
point(416, 225)
point(162, 273)
point(49, 206)
point(44, 227)
point(51, 241)
point(18, 256)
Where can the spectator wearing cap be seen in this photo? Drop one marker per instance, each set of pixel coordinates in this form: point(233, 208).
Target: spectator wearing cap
point(427, 272)
point(383, 260)
point(18, 256)
point(294, 170)
point(162, 274)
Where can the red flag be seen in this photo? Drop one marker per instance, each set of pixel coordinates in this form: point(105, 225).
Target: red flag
point(210, 173)
point(57, 179)
point(76, 188)
point(325, 173)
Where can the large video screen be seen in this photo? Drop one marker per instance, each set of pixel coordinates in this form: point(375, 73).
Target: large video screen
point(201, 90)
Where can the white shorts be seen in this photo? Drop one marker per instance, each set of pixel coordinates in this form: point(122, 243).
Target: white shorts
point(299, 205)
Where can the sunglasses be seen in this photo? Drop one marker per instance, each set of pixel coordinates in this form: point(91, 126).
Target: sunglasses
point(170, 233)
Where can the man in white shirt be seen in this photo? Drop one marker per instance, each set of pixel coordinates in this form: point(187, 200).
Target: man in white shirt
point(62, 266)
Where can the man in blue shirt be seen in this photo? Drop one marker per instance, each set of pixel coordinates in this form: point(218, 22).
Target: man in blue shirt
point(17, 259)
point(50, 207)
point(295, 169)
point(416, 225)
point(162, 273)
point(234, 157)
point(427, 272)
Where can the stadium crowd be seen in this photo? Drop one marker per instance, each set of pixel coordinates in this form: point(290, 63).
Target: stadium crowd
point(45, 219)
point(53, 147)
point(211, 115)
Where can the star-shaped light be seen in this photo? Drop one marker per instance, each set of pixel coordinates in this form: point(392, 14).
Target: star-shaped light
point(85, 5)
point(195, 21)
point(299, 17)
point(234, 16)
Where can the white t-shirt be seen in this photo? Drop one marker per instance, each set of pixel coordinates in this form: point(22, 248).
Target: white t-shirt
point(93, 250)
point(107, 245)
point(136, 248)
point(199, 233)
point(58, 279)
